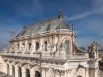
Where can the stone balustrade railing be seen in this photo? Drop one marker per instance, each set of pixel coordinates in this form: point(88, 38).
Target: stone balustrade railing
point(48, 55)
point(81, 55)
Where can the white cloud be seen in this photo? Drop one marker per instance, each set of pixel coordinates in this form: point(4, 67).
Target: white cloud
point(92, 26)
point(80, 16)
point(97, 8)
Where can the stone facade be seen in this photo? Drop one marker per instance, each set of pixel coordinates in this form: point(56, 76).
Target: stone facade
point(48, 49)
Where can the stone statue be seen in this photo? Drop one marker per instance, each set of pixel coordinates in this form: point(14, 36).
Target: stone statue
point(93, 49)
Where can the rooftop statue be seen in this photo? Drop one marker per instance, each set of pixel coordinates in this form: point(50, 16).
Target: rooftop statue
point(93, 49)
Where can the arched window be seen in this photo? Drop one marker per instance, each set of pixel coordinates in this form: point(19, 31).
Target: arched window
point(19, 72)
point(79, 76)
point(18, 46)
point(23, 44)
point(27, 73)
point(29, 45)
point(45, 45)
point(8, 69)
point(13, 71)
point(37, 74)
point(37, 45)
point(67, 43)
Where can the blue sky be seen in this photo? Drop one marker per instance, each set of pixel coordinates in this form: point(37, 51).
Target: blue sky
point(85, 15)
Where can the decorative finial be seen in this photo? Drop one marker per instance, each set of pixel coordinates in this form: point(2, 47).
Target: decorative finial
point(60, 14)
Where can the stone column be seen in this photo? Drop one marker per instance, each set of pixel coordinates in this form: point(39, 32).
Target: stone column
point(10, 69)
point(93, 68)
point(69, 72)
point(23, 72)
point(26, 45)
point(57, 74)
point(71, 48)
point(97, 72)
point(62, 73)
point(66, 73)
point(33, 46)
point(43, 72)
point(32, 72)
point(41, 43)
point(5, 68)
point(86, 72)
point(20, 45)
point(16, 71)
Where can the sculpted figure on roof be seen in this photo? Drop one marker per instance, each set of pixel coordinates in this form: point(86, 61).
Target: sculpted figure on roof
point(93, 49)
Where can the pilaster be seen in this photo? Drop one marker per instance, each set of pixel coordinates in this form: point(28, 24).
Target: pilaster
point(10, 69)
point(32, 72)
point(16, 71)
point(86, 72)
point(23, 72)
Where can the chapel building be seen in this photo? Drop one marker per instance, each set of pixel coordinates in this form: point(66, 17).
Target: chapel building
point(48, 49)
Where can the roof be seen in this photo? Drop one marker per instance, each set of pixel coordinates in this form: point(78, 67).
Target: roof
point(45, 25)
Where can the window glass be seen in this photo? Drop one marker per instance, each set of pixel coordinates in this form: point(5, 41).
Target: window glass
point(18, 46)
point(29, 45)
point(37, 45)
point(45, 45)
point(67, 46)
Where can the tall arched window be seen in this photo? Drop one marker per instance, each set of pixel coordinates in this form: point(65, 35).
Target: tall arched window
point(67, 43)
point(13, 71)
point(27, 73)
point(8, 69)
point(37, 45)
point(19, 72)
point(18, 46)
point(37, 74)
point(29, 45)
point(45, 45)
point(23, 44)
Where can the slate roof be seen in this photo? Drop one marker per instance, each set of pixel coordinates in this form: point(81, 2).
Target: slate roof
point(45, 25)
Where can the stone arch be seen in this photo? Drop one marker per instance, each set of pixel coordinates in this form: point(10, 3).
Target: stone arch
point(19, 66)
point(66, 41)
point(79, 76)
point(66, 38)
point(19, 72)
point(66, 45)
point(13, 71)
point(37, 68)
point(12, 63)
point(27, 72)
point(80, 71)
point(51, 72)
point(37, 74)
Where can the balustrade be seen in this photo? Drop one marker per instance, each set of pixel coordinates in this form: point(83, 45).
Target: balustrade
point(48, 55)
